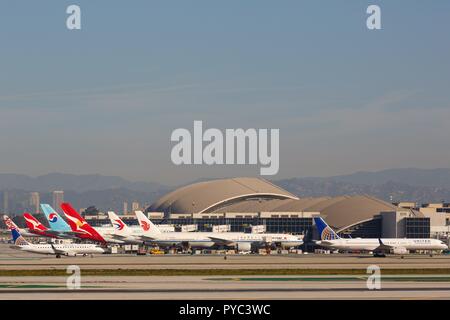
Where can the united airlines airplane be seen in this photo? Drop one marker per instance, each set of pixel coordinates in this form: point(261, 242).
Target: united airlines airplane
point(56, 249)
point(379, 247)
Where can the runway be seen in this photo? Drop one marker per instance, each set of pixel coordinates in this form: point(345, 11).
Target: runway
point(204, 288)
point(13, 259)
point(433, 282)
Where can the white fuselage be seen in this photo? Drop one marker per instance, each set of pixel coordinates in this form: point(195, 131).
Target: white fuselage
point(372, 244)
point(209, 239)
point(69, 249)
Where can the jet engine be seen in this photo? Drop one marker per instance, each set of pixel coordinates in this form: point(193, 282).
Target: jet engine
point(400, 250)
point(244, 246)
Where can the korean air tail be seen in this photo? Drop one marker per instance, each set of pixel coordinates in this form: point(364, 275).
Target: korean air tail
point(325, 231)
point(146, 224)
point(54, 219)
point(119, 226)
point(79, 225)
point(33, 223)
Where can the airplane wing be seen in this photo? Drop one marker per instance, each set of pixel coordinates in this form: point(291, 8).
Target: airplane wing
point(388, 248)
point(221, 241)
point(117, 236)
point(57, 251)
point(383, 247)
point(147, 238)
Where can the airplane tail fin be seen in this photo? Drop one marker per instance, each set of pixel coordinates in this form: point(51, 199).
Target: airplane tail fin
point(325, 231)
point(9, 223)
point(54, 219)
point(18, 239)
point(146, 224)
point(119, 226)
point(79, 225)
point(33, 223)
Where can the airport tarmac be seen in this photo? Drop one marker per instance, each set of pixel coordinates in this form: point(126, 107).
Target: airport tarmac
point(221, 287)
point(14, 259)
point(431, 286)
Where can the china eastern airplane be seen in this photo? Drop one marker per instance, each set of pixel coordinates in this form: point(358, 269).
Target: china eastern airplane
point(379, 247)
point(55, 249)
point(123, 232)
point(239, 240)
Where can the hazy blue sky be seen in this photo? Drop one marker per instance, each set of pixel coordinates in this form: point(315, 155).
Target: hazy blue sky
point(106, 99)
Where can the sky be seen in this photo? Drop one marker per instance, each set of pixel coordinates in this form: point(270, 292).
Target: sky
point(105, 99)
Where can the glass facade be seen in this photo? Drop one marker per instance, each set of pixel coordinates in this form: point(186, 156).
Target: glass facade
point(417, 227)
point(367, 229)
point(273, 225)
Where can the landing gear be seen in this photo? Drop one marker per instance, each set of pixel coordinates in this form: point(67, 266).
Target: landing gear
point(58, 256)
point(379, 255)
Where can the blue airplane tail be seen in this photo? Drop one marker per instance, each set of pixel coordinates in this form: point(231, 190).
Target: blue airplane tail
point(54, 219)
point(325, 231)
point(17, 238)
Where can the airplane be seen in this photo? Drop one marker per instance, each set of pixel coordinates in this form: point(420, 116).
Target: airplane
point(123, 232)
point(10, 224)
point(56, 249)
point(239, 240)
point(36, 227)
point(85, 231)
point(379, 247)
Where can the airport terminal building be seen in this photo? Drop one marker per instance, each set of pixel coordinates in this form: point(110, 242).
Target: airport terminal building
point(257, 205)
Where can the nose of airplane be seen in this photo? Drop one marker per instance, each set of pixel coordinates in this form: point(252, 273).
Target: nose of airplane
point(100, 250)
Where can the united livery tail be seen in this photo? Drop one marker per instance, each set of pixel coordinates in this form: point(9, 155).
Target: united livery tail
point(325, 231)
point(54, 219)
point(18, 239)
point(119, 226)
point(79, 225)
point(33, 224)
point(146, 224)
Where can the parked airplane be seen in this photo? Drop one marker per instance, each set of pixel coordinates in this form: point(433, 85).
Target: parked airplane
point(123, 232)
point(239, 240)
point(55, 221)
point(85, 231)
point(379, 247)
point(34, 226)
point(56, 249)
point(10, 224)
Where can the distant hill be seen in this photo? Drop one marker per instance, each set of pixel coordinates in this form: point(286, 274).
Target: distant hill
point(109, 192)
point(419, 185)
point(71, 182)
point(408, 176)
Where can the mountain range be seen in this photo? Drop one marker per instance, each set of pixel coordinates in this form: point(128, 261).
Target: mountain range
point(109, 192)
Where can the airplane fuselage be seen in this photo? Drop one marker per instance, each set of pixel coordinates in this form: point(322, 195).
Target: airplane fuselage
point(371, 244)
